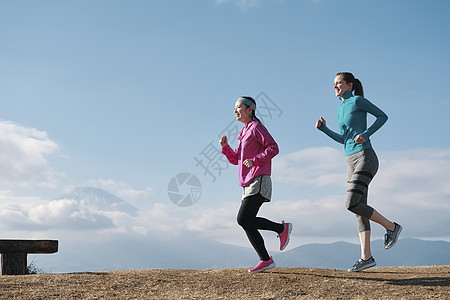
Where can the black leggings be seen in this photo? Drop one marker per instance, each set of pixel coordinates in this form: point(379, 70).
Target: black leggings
point(251, 223)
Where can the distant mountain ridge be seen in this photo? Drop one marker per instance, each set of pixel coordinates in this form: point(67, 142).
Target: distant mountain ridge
point(341, 255)
point(186, 253)
point(108, 251)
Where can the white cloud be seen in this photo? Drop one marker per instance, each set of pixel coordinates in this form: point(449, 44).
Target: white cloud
point(30, 215)
point(142, 198)
point(313, 166)
point(216, 223)
point(243, 4)
point(411, 188)
point(23, 156)
point(422, 170)
point(34, 214)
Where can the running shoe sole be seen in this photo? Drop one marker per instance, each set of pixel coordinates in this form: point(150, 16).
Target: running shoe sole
point(394, 241)
point(272, 265)
point(363, 267)
point(282, 247)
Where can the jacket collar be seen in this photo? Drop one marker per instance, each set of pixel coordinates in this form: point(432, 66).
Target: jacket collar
point(347, 94)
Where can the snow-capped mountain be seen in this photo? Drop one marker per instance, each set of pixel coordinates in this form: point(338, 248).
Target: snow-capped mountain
point(99, 199)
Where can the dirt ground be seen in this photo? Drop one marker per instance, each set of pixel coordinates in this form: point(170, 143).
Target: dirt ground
point(279, 283)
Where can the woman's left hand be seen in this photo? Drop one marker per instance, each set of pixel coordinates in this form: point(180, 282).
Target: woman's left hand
point(248, 163)
point(359, 139)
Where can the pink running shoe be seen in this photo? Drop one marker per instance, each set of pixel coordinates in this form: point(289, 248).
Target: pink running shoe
point(263, 265)
point(285, 235)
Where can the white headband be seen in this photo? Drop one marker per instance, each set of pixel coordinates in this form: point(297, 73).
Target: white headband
point(247, 102)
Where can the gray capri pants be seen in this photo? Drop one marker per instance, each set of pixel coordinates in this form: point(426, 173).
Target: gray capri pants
point(361, 168)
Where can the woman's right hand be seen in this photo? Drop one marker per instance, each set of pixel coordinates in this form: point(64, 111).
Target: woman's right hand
point(223, 141)
point(320, 122)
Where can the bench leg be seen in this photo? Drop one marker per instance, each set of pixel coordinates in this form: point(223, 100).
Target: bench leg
point(14, 263)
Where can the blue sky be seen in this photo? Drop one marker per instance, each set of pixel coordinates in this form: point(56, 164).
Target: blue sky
point(123, 95)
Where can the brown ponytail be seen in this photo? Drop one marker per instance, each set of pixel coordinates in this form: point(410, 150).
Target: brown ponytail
point(357, 86)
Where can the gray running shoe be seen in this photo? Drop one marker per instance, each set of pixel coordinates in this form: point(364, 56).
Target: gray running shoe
point(391, 237)
point(363, 264)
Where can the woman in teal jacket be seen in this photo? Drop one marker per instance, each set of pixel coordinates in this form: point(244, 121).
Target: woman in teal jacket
point(362, 162)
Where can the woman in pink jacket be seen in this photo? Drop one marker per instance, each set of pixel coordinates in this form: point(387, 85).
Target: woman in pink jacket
point(253, 155)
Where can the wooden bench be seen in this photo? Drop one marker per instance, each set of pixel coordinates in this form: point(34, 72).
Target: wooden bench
point(14, 253)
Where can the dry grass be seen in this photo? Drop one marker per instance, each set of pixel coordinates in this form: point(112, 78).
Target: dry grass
point(279, 283)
